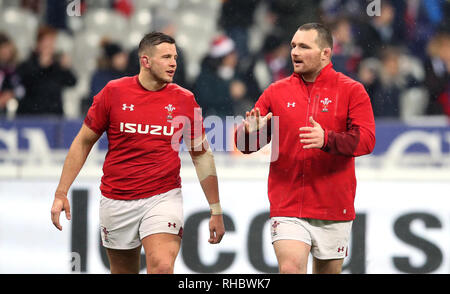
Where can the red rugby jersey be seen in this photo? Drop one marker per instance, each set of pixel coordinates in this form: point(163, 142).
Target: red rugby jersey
point(144, 130)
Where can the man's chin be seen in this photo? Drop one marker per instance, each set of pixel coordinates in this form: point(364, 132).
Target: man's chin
point(166, 80)
point(299, 71)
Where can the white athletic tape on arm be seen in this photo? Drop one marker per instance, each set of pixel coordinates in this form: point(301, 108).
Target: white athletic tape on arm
point(204, 165)
point(196, 143)
point(215, 208)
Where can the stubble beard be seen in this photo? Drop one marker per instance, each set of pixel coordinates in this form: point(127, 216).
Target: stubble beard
point(160, 78)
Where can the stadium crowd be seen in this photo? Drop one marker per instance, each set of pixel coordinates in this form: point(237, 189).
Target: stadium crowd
point(400, 51)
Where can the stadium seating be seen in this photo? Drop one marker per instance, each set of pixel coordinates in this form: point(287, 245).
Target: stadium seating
point(195, 21)
point(21, 26)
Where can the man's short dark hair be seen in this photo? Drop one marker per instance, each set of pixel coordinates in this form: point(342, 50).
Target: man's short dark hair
point(324, 37)
point(153, 39)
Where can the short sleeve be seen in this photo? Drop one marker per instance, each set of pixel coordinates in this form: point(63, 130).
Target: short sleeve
point(97, 118)
point(197, 128)
point(194, 130)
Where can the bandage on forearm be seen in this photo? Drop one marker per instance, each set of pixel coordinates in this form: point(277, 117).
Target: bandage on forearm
point(204, 164)
point(195, 144)
point(215, 208)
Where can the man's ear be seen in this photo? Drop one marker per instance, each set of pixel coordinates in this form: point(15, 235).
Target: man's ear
point(145, 62)
point(326, 53)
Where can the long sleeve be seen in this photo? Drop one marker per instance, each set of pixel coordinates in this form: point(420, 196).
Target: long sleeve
point(249, 143)
point(359, 139)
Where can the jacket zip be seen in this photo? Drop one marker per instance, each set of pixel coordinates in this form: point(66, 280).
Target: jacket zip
point(303, 172)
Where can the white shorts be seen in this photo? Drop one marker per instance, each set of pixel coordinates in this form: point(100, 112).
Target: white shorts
point(328, 239)
point(124, 223)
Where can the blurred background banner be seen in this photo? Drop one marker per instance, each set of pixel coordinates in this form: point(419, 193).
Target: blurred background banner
point(56, 55)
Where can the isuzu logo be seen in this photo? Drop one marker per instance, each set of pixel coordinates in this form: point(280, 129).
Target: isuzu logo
point(146, 129)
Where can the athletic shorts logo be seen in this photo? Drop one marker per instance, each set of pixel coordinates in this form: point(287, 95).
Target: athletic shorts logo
point(341, 249)
point(274, 228)
point(172, 225)
point(105, 234)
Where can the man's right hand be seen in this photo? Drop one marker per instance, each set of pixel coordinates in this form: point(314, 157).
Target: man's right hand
point(253, 120)
point(61, 203)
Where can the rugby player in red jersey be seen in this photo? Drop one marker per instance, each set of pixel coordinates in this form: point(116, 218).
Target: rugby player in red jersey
point(141, 203)
point(325, 120)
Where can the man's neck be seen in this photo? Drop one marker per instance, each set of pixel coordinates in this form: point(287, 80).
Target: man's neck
point(149, 83)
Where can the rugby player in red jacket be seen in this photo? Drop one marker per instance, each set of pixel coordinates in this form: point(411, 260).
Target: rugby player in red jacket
point(325, 120)
point(141, 203)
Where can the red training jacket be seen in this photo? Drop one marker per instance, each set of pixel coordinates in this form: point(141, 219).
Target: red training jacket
point(315, 183)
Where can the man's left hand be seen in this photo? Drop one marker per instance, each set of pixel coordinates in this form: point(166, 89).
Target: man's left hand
point(312, 137)
point(216, 229)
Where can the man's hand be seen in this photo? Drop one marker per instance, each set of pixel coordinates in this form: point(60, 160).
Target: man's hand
point(216, 229)
point(59, 204)
point(253, 120)
point(313, 136)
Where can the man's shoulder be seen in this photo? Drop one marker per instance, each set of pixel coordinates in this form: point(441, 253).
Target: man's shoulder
point(347, 82)
point(178, 90)
point(282, 83)
point(121, 82)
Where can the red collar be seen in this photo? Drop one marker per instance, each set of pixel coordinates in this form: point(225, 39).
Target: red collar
point(323, 74)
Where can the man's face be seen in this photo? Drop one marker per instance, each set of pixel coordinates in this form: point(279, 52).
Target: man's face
point(46, 45)
point(305, 52)
point(162, 61)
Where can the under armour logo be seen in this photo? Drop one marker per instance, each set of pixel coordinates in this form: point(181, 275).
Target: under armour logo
point(341, 249)
point(174, 225)
point(125, 107)
point(291, 104)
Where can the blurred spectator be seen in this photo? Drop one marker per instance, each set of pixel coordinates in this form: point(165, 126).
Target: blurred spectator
point(235, 19)
point(346, 54)
point(381, 30)
point(10, 87)
point(437, 74)
point(275, 61)
point(34, 6)
point(111, 65)
point(422, 19)
point(161, 22)
point(124, 7)
point(44, 76)
point(291, 14)
point(394, 84)
point(332, 10)
point(218, 89)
